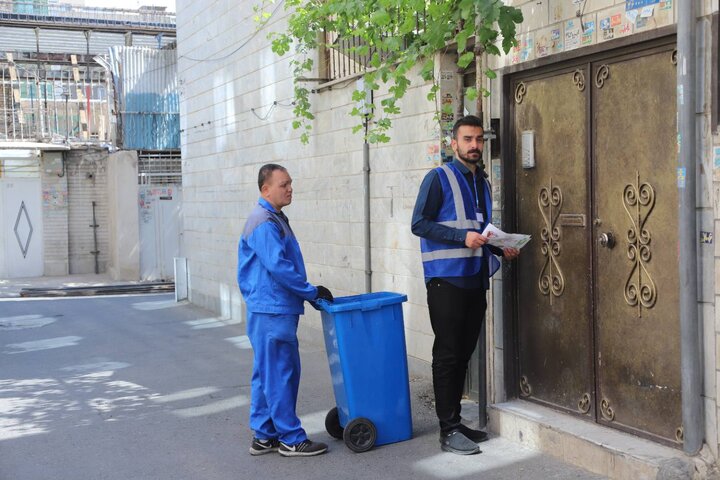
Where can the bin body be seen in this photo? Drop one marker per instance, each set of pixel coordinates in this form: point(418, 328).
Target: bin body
point(365, 344)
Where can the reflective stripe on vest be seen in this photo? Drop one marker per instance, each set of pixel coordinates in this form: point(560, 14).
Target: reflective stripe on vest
point(462, 252)
point(462, 222)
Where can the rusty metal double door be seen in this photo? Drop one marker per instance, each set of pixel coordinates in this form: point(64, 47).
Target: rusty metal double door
point(597, 297)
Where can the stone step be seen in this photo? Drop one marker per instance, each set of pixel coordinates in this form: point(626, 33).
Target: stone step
point(599, 449)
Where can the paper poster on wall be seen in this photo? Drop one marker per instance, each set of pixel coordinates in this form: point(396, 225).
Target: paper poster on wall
point(634, 4)
point(573, 34)
point(588, 36)
point(54, 198)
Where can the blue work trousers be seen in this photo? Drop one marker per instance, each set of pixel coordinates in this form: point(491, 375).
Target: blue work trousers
point(275, 377)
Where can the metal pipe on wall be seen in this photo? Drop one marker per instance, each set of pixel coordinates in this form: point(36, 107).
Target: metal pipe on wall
point(690, 340)
point(366, 201)
point(366, 198)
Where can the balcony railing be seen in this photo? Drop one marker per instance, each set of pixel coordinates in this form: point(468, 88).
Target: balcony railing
point(65, 14)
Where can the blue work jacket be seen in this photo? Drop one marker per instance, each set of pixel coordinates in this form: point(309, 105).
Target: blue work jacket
point(271, 272)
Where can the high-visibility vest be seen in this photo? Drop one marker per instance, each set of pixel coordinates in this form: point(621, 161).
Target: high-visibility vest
point(458, 210)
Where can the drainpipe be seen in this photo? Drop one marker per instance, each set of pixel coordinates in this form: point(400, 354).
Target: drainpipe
point(366, 192)
point(690, 342)
point(366, 187)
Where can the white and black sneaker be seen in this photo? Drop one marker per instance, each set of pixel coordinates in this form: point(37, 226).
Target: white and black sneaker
point(261, 447)
point(306, 448)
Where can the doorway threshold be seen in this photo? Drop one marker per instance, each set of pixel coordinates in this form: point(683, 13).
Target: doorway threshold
point(599, 449)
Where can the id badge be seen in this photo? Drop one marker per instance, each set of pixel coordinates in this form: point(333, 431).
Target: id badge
point(479, 217)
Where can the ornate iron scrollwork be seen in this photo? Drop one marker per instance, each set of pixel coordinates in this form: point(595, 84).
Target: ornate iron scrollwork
point(525, 388)
point(520, 91)
point(680, 434)
point(584, 403)
point(579, 79)
point(551, 280)
point(602, 74)
point(639, 201)
point(607, 411)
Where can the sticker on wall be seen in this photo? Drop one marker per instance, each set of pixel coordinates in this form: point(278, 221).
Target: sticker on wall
point(631, 15)
point(681, 177)
point(647, 12)
point(666, 5)
point(716, 157)
point(633, 4)
point(588, 36)
point(548, 42)
point(433, 154)
point(525, 48)
point(54, 198)
point(496, 177)
point(573, 34)
point(706, 237)
point(447, 75)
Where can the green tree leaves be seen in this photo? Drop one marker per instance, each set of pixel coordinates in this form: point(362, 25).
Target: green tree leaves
point(393, 36)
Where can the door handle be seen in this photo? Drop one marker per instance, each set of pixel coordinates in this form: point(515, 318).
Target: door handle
point(607, 240)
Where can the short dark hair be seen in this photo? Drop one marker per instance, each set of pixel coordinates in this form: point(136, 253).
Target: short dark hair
point(265, 172)
point(467, 120)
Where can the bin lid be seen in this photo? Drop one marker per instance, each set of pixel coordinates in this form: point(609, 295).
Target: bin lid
point(364, 302)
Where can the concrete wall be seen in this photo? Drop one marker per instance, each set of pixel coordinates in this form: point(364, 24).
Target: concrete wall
point(553, 26)
point(226, 138)
point(123, 222)
point(87, 182)
point(55, 213)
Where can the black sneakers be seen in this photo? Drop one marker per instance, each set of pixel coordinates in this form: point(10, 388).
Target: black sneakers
point(306, 448)
point(456, 442)
point(261, 447)
point(476, 436)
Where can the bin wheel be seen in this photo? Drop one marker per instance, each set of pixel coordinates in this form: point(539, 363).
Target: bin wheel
point(332, 424)
point(360, 435)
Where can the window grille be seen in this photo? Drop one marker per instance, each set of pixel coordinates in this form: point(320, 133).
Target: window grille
point(159, 168)
point(342, 60)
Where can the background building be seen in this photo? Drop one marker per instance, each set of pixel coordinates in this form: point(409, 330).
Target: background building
point(76, 84)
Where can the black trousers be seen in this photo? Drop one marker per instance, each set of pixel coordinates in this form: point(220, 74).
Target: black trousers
point(456, 316)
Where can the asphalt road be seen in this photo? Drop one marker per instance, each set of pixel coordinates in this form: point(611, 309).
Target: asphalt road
point(139, 387)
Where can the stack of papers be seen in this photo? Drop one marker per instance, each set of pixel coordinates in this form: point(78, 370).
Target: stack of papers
point(501, 239)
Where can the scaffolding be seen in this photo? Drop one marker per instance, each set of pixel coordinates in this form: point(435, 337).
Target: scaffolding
point(64, 14)
point(52, 102)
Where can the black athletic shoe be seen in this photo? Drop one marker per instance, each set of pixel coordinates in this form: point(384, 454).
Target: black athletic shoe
point(261, 447)
point(456, 442)
point(476, 436)
point(306, 448)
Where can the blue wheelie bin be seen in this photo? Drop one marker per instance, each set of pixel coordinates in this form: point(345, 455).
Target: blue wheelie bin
point(365, 344)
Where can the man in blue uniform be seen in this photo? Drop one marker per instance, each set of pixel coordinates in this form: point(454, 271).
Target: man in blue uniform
point(452, 209)
point(272, 279)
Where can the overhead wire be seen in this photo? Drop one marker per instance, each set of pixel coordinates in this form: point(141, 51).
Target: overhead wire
point(257, 30)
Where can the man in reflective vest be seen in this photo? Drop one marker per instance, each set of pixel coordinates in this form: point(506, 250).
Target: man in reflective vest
point(452, 209)
point(272, 279)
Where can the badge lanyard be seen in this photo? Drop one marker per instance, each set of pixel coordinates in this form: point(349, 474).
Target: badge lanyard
point(478, 214)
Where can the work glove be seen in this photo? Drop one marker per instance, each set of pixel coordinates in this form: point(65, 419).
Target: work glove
point(324, 294)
